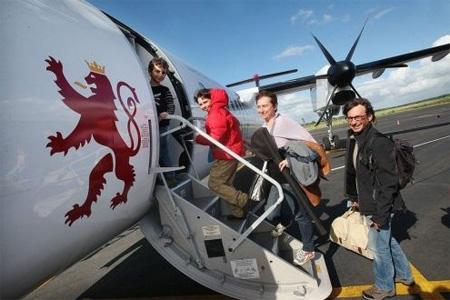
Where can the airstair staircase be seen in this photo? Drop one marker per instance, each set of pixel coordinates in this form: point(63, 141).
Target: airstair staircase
point(237, 258)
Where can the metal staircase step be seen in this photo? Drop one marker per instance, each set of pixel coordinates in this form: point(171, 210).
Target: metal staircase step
point(264, 239)
point(207, 204)
point(199, 195)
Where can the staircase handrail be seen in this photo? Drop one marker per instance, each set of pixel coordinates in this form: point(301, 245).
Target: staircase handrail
point(261, 218)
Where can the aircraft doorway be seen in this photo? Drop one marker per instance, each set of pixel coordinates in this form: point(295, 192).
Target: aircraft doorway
point(178, 143)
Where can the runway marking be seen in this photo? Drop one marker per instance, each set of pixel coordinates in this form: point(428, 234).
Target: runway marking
point(337, 168)
point(428, 290)
point(432, 141)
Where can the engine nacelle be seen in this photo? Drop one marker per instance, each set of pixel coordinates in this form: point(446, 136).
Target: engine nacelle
point(342, 97)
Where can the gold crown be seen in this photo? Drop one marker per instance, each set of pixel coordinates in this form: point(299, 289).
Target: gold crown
point(96, 68)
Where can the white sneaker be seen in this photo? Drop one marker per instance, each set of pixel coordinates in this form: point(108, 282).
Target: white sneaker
point(302, 257)
point(278, 230)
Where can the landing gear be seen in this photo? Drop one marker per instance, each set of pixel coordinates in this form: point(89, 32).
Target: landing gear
point(335, 143)
point(331, 141)
point(326, 143)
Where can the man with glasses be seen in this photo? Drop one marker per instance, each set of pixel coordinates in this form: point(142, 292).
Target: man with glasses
point(372, 186)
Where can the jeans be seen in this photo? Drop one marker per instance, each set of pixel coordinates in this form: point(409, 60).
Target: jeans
point(164, 156)
point(288, 208)
point(389, 261)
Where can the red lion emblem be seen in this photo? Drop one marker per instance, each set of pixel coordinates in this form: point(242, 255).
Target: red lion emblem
point(98, 121)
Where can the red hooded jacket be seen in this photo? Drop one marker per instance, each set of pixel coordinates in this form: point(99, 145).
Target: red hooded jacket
point(222, 126)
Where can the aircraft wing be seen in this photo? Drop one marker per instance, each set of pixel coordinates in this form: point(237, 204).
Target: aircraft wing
point(436, 54)
point(376, 67)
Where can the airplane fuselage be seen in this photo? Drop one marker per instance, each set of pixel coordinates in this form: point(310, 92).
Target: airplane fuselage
point(79, 133)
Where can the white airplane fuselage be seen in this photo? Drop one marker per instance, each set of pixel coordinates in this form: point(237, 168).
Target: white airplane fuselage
point(79, 135)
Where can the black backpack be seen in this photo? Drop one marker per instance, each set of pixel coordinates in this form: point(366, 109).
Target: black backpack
point(404, 156)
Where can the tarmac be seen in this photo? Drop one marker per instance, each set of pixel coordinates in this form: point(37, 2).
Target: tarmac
point(127, 267)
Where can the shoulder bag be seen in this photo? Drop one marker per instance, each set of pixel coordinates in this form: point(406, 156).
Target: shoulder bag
point(260, 187)
point(352, 232)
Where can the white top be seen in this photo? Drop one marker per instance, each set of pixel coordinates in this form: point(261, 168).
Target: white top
point(287, 129)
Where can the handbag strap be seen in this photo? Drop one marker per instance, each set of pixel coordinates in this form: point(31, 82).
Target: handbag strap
point(271, 131)
point(352, 211)
point(264, 166)
point(274, 122)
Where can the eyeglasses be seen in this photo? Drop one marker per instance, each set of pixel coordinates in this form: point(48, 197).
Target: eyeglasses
point(356, 118)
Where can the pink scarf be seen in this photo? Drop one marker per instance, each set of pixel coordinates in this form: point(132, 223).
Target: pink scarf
point(287, 129)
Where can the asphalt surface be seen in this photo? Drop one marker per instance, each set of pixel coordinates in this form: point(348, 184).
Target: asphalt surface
point(129, 268)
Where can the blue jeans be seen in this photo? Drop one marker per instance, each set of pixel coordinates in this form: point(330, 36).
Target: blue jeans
point(164, 156)
point(389, 261)
point(291, 207)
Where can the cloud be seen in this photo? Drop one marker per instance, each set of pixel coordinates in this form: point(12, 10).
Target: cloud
point(326, 18)
point(442, 40)
point(382, 13)
point(376, 14)
point(293, 51)
point(346, 18)
point(303, 15)
point(308, 17)
point(297, 106)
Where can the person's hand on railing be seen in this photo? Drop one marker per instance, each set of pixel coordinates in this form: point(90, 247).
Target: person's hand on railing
point(283, 164)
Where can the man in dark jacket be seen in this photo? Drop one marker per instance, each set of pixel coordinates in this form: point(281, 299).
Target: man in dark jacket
point(372, 186)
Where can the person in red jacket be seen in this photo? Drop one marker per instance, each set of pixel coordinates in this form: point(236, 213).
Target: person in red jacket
point(225, 128)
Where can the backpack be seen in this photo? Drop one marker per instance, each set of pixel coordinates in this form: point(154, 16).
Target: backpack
point(404, 157)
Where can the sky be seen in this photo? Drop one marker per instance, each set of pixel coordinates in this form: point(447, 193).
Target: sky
point(231, 40)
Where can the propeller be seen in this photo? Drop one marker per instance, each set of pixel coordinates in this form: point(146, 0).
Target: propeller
point(256, 78)
point(340, 75)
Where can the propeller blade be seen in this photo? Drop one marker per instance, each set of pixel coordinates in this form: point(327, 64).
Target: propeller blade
point(325, 52)
point(241, 82)
point(326, 106)
point(356, 92)
point(278, 74)
point(350, 54)
point(257, 77)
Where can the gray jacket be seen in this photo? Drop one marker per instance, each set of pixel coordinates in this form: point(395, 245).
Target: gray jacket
point(302, 162)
